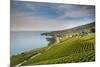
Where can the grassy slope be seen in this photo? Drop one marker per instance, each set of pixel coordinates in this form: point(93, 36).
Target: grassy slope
point(77, 57)
point(68, 51)
point(16, 59)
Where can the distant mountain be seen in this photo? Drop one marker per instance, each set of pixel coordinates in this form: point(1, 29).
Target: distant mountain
point(86, 27)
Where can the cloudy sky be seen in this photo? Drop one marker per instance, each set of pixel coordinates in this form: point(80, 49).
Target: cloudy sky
point(36, 16)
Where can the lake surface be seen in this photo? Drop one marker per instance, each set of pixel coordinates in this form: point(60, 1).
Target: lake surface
point(22, 41)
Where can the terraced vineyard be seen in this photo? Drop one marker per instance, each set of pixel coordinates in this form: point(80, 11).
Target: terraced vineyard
point(77, 57)
point(73, 49)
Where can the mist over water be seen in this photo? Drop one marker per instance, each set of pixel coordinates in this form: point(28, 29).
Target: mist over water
point(22, 41)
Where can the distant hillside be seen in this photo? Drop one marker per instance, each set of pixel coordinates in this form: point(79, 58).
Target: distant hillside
point(58, 36)
point(71, 30)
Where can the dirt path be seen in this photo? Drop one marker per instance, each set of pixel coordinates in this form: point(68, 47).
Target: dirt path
point(18, 65)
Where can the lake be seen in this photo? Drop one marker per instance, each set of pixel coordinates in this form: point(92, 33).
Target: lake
point(22, 41)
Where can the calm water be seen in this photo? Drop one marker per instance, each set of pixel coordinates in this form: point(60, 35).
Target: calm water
point(24, 41)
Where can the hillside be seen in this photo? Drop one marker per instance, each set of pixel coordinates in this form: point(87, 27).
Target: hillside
point(78, 48)
point(70, 50)
point(72, 30)
point(58, 36)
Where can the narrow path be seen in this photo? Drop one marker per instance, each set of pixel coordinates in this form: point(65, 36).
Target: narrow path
point(34, 56)
point(49, 47)
point(18, 65)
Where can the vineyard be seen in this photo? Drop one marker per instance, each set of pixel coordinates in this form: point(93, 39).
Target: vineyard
point(71, 50)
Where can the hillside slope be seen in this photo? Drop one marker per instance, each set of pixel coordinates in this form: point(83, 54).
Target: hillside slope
point(77, 29)
point(71, 50)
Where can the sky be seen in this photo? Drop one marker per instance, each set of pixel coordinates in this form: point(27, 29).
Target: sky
point(39, 16)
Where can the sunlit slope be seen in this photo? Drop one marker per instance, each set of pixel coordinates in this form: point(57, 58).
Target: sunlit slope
point(74, 49)
point(17, 59)
point(87, 56)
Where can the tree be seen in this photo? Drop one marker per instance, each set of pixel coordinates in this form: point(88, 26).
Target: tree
point(93, 30)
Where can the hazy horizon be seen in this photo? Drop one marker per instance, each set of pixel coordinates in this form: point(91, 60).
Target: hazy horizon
point(45, 30)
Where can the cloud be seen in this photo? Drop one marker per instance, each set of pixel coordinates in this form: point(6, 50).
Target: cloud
point(32, 16)
point(50, 9)
point(76, 11)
